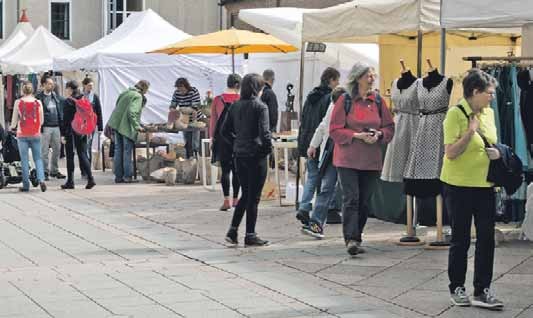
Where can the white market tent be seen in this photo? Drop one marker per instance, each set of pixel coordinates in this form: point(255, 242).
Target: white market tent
point(395, 26)
point(36, 54)
point(120, 61)
point(22, 32)
point(486, 14)
point(286, 24)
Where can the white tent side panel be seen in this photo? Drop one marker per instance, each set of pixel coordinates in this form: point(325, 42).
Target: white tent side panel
point(486, 14)
point(161, 71)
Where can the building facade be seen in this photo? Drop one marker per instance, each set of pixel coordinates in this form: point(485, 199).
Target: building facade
point(81, 22)
point(233, 7)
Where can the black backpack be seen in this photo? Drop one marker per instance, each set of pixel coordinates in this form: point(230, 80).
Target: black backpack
point(10, 149)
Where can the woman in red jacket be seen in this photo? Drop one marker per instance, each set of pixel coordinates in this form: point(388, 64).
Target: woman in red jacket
point(222, 151)
point(358, 130)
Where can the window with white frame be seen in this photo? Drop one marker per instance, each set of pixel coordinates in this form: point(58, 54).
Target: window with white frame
point(60, 18)
point(123, 9)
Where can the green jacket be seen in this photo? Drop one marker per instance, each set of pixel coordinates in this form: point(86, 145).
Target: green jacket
point(126, 117)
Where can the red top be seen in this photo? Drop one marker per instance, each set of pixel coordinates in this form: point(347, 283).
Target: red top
point(355, 153)
point(218, 106)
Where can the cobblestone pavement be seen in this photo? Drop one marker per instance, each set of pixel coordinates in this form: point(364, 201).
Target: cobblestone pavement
point(155, 251)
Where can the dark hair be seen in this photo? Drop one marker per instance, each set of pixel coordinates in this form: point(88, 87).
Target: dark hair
point(477, 79)
point(234, 81)
point(182, 81)
point(329, 73)
point(143, 85)
point(337, 92)
point(251, 85)
point(87, 80)
point(74, 86)
point(268, 75)
point(44, 78)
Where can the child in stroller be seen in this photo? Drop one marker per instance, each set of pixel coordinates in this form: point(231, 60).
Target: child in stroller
point(10, 165)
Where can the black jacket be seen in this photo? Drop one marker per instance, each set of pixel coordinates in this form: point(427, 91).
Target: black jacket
point(247, 129)
point(506, 171)
point(69, 110)
point(270, 99)
point(315, 108)
point(51, 118)
point(97, 108)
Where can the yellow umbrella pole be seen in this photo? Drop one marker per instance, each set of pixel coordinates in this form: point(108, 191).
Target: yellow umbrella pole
point(233, 60)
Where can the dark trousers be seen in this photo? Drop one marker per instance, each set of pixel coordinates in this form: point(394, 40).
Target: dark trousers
point(227, 168)
point(80, 143)
point(357, 188)
point(252, 174)
point(463, 203)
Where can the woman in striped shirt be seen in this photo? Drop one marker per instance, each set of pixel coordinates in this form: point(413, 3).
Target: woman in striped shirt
point(187, 96)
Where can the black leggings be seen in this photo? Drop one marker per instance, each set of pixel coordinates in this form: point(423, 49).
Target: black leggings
point(252, 175)
point(227, 168)
point(80, 142)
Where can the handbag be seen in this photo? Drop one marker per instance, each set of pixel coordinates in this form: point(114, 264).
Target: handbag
point(506, 171)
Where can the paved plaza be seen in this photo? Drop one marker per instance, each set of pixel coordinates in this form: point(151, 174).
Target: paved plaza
point(147, 250)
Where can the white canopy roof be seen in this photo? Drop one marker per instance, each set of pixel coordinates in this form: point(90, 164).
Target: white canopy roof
point(36, 54)
point(486, 14)
point(141, 32)
point(361, 20)
point(22, 32)
point(370, 17)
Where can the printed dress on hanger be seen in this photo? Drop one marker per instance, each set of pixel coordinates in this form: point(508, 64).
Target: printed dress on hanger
point(405, 103)
point(427, 150)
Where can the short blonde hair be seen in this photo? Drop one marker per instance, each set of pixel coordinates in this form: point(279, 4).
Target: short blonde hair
point(27, 88)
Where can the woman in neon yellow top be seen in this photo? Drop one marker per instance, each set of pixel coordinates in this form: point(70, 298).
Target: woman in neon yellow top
point(466, 190)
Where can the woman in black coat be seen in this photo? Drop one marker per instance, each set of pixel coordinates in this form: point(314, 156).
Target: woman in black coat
point(247, 127)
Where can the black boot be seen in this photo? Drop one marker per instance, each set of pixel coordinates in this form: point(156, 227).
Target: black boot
point(90, 183)
point(254, 240)
point(231, 236)
point(68, 185)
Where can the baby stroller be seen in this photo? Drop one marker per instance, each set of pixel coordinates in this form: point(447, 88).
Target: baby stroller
point(10, 165)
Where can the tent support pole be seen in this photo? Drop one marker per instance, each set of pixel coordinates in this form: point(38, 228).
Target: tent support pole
point(419, 54)
point(300, 107)
point(443, 51)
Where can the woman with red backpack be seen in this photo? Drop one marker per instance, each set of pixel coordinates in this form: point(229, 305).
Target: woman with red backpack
point(79, 121)
point(28, 117)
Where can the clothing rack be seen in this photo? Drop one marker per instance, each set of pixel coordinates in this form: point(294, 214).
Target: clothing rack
point(475, 59)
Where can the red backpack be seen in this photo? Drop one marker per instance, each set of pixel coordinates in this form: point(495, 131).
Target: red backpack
point(30, 119)
point(84, 122)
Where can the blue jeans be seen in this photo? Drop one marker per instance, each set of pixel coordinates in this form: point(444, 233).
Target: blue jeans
point(123, 159)
point(25, 144)
point(313, 178)
point(326, 195)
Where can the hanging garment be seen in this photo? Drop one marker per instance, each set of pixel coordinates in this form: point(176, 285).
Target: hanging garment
point(427, 150)
point(494, 105)
point(504, 95)
point(520, 146)
point(9, 92)
point(405, 105)
point(526, 105)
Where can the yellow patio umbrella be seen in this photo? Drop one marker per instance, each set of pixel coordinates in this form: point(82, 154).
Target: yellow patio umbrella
point(231, 41)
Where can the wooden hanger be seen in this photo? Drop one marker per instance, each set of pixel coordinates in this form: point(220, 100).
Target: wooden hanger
point(402, 63)
point(431, 68)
